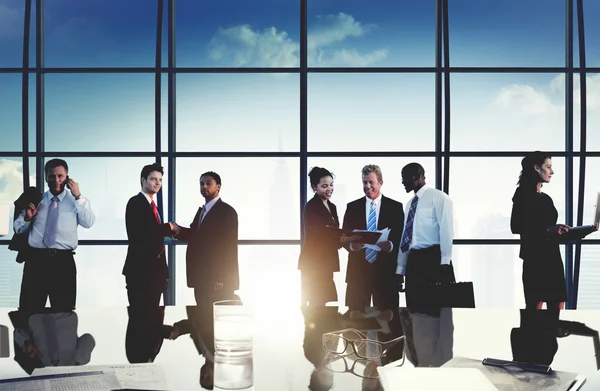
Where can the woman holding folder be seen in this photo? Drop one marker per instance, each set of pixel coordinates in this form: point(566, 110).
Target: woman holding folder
point(319, 257)
point(534, 218)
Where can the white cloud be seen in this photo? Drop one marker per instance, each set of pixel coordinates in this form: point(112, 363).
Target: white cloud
point(244, 46)
point(331, 29)
point(11, 180)
point(11, 22)
point(526, 98)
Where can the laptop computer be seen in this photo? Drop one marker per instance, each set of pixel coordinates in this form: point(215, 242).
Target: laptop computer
point(596, 217)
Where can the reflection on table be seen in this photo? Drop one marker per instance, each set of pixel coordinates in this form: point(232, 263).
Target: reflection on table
point(289, 352)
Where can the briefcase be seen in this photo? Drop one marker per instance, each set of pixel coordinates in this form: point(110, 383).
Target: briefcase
point(443, 295)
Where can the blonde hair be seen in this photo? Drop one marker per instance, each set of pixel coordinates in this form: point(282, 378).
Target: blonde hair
point(369, 168)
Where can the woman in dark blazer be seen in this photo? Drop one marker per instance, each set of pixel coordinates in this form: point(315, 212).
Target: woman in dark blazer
point(534, 217)
point(319, 257)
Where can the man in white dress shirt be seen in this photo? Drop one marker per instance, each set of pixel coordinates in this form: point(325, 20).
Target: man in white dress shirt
point(50, 269)
point(426, 246)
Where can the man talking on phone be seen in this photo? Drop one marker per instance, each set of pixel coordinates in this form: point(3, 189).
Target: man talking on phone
point(49, 269)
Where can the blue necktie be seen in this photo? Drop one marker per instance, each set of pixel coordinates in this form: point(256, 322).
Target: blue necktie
point(408, 229)
point(51, 223)
point(370, 254)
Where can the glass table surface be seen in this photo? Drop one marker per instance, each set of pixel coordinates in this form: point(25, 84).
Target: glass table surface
point(288, 344)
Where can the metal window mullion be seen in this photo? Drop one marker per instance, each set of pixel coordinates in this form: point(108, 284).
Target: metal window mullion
point(25, 94)
point(303, 110)
point(39, 95)
point(446, 36)
point(583, 142)
point(438, 94)
point(569, 147)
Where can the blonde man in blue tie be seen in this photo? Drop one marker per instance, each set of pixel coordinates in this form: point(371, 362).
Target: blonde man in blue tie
point(50, 269)
point(370, 272)
point(426, 247)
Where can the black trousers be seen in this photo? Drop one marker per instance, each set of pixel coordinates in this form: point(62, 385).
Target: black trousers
point(48, 273)
point(144, 291)
point(424, 268)
point(377, 282)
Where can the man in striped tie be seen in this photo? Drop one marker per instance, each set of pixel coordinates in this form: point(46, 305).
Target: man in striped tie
point(370, 272)
point(426, 247)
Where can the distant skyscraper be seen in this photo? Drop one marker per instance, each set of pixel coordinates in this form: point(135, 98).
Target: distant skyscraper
point(280, 194)
point(495, 277)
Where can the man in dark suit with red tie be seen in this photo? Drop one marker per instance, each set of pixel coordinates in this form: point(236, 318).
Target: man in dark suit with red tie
point(212, 252)
point(146, 271)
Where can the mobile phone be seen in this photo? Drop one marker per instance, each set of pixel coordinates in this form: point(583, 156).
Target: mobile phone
point(67, 183)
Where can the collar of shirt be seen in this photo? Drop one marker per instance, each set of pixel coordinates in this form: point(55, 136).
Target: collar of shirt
point(376, 200)
point(210, 204)
point(421, 191)
point(149, 197)
point(48, 195)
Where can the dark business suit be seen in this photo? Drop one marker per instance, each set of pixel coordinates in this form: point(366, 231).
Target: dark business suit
point(212, 253)
point(319, 257)
point(146, 271)
point(378, 278)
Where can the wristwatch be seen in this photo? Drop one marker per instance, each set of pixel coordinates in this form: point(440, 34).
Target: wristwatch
point(78, 197)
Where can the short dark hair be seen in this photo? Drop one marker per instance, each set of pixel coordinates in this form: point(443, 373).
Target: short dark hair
point(414, 170)
point(316, 173)
point(214, 175)
point(53, 163)
point(150, 168)
point(529, 177)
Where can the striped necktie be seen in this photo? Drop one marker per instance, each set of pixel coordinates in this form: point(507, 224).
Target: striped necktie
point(371, 254)
point(408, 229)
point(51, 224)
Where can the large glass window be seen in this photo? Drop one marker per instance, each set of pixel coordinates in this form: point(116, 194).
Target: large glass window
point(99, 112)
point(238, 33)
point(377, 34)
point(239, 112)
point(507, 33)
point(507, 112)
point(10, 111)
point(94, 34)
point(371, 112)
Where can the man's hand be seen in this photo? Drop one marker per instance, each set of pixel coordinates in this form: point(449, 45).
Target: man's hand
point(218, 285)
point(74, 187)
point(175, 229)
point(400, 282)
point(31, 350)
point(31, 211)
point(595, 227)
point(385, 246)
point(357, 246)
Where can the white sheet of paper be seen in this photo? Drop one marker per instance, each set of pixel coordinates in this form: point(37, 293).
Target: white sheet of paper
point(81, 381)
point(433, 379)
point(385, 233)
point(142, 376)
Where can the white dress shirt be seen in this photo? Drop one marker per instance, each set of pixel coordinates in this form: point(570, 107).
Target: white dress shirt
point(71, 213)
point(432, 225)
point(377, 202)
point(149, 197)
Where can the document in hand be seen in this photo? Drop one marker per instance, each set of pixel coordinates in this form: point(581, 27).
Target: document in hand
point(433, 379)
point(366, 237)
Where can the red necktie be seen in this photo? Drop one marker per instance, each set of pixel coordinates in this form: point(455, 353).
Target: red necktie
point(155, 210)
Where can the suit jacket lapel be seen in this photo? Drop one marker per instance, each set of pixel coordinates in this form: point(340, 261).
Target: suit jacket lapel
point(380, 220)
point(362, 213)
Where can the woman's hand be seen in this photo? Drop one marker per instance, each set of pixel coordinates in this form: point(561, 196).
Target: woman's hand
point(559, 229)
point(349, 239)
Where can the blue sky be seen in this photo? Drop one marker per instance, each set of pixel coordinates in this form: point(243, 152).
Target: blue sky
point(260, 112)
